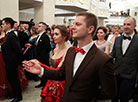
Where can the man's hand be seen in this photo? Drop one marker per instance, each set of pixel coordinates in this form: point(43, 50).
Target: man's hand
point(32, 66)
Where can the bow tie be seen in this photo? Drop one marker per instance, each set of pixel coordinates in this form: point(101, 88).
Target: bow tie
point(125, 37)
point(79, 50)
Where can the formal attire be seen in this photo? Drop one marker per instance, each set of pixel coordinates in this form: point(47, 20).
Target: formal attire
point(126, 57)
point(5, 87)
point(110, 42)
point(43, 49)
point(23, 38)
point(31, 54)
point(83, 74)
point(11, 52)
point(102, 45)
point(53, 90)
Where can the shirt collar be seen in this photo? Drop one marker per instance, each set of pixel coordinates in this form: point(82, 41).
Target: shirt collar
point(40, 33)
point(9, 31)
point(87, 47)
point(130, 35)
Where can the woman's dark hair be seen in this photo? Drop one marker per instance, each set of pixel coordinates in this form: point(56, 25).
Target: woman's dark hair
point(9, 20)
point(48, 29)
point(103, 28)
point(63, 30)
point(34, 29)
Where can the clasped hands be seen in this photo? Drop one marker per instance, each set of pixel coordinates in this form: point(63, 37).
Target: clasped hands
point(32, 66)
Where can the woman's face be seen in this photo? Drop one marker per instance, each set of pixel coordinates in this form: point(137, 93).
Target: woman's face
point(100, 34)
point(58, 38)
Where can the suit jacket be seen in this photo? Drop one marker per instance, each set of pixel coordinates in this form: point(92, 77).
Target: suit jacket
point(43, 49)
point(95, 70)
point(23, 38)
point(11, 51)
point(126, 64)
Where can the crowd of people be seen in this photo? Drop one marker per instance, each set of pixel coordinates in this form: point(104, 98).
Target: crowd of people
point(82, 63)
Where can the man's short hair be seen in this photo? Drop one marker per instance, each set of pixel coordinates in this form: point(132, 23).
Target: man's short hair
point(90, 19)
point(9, 20)
point(132, 19)
point(117, 26)
point(44, 24)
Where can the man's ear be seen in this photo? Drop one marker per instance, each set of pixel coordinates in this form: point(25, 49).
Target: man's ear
point(9, 26)
point(91, 29)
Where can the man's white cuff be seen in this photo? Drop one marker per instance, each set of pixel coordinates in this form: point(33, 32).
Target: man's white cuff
point(42, 72)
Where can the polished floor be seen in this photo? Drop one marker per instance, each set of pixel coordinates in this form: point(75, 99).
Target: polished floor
point(30, 94)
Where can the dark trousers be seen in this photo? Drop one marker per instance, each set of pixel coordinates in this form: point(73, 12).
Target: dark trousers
point(136, 94)
point(13, 79)
point(125, 88)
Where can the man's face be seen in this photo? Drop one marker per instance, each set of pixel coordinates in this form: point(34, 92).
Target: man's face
point(129, 26)
point(40, 28)
point(4, 26)
point(15, 26)
point(79, 28)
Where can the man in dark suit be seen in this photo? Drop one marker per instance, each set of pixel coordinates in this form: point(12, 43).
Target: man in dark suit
point(11, 52)
point(125, 52)
point(43, 48)
point(88, 72)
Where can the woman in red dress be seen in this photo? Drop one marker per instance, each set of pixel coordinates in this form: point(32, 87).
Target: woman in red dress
point(5, 87)
point(53, 90)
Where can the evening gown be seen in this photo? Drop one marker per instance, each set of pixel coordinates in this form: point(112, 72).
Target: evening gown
point(53, 90)
point(5, 87)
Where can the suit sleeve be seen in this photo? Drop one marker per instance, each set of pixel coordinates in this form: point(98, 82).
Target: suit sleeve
point(113, 50)
point(54, 74)
point(47, 43)
point(16, 45)
point(108, 89)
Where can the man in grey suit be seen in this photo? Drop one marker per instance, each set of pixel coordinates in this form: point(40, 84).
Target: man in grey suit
point(125, 52)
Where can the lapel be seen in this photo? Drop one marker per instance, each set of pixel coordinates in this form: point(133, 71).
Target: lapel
point(129, 46)
point(40, 39)
point(72, 58)
point(88, 58)
point(121, 41)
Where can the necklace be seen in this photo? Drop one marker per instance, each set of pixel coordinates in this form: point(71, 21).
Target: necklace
point(100, 42)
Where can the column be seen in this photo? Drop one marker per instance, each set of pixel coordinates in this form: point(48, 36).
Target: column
point(9, 8)
point(45, 12)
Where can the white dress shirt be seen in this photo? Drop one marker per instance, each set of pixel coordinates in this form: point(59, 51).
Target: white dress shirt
point(79, 57)
point(39, 35)
point(126, 43)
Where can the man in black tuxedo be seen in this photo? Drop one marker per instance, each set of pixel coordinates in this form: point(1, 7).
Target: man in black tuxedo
point(125, 52)
point(11, 51)
point(43, 48)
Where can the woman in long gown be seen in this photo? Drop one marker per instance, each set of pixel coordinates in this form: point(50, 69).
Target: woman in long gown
point(53, 90)
point(3, 82)
point(5, 87)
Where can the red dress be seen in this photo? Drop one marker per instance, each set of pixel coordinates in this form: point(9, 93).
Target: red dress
point(5, 87)
point(53, 90)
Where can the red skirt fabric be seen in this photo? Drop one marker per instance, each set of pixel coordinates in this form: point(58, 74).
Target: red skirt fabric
point(53, 91)
point(5, 87)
